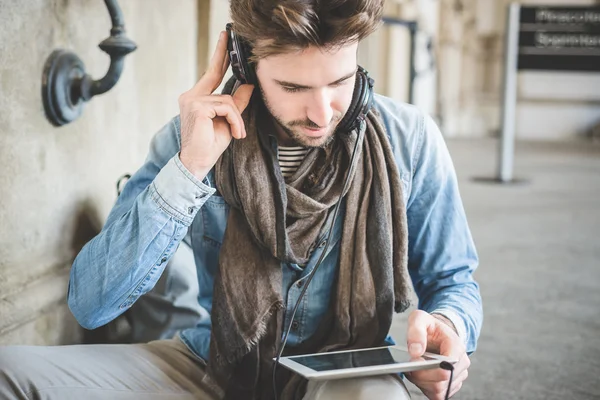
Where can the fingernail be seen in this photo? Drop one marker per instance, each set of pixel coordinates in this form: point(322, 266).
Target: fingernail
point(415, 348)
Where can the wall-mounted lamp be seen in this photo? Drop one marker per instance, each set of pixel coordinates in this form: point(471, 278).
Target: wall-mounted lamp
point(66, 86)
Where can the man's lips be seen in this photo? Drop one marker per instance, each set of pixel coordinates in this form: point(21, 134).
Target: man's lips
point(314, 132)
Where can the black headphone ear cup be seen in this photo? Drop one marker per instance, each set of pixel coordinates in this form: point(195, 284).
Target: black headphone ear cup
point(361, 99)
point(239, 51)
point(351, 114)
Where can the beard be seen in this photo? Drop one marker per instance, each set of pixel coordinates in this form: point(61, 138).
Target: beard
point(293, 129)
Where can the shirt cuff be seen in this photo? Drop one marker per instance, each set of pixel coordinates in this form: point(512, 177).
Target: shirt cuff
point(178, 192)
point(456, 320)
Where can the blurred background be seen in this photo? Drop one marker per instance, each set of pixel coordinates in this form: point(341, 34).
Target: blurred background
point(538, 235)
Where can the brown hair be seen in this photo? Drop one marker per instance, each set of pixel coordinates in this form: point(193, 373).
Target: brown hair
point(281, 26)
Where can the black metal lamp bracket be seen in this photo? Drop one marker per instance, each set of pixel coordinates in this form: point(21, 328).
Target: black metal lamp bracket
point(65, 84)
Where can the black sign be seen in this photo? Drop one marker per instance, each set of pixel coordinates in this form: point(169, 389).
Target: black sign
point(559, 38)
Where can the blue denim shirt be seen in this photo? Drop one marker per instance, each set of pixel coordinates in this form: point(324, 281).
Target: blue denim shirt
point(163, 203)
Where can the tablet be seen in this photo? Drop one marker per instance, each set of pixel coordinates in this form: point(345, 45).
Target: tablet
point(363, 362)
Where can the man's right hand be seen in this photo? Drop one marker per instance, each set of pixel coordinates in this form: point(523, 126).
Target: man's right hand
point(209, 121)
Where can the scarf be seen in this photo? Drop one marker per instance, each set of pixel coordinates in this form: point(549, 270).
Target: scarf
point(272, 221)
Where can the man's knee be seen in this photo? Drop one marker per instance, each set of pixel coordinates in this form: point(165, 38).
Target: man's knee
point(13, 368)
point(385, 387)
point(10, 360)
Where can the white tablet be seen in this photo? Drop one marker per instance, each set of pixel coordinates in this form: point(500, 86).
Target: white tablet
point(364, 362)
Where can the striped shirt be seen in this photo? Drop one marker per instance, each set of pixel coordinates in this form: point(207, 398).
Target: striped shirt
point(290, 159)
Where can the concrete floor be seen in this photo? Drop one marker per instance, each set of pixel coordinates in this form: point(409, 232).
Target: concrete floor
point(539, 247)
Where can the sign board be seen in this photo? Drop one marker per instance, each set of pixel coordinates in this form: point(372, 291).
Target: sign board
point(559, 38)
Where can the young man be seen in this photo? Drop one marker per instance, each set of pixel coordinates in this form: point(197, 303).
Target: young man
point(252, 181)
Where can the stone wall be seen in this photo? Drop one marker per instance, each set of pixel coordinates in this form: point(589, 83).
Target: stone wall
point(58, 184)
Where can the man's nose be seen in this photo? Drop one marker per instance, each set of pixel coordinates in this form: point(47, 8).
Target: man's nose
point(319, 110)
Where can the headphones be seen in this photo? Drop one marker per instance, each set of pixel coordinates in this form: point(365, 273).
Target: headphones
point(362, 99)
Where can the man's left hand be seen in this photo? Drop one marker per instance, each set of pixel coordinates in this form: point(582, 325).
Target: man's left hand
point(435, 333)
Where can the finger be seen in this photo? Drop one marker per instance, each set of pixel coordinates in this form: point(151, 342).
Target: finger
point(242, 96)
point(437, 388)
point(225, 63)
point(419, 322)
point(430, 376)
point(221, 98)
point(205, 103)
point(455, 388)
point(452, 346)
point(457, 382)
point(231, 101)
point(460, 377)
point(231, 115)
point(219, 61)
point(464, 362)
point(214, 75)
point(436, 391)
point(438, 374)
point(215, 113)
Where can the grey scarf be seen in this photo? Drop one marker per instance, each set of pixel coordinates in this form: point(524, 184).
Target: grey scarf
point(271, 222)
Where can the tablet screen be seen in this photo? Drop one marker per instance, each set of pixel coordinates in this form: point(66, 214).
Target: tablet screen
point(355, 359)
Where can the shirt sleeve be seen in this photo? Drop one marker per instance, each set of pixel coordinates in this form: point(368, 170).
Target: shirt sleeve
point(442, 255)
point(143, 230)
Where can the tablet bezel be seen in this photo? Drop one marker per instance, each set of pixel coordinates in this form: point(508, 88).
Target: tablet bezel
point(312, 374)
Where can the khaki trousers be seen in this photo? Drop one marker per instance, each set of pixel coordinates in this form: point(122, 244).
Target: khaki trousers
point(162, 369)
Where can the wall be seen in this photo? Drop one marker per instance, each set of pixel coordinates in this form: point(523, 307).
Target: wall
point(58, 184)
point(551, 106)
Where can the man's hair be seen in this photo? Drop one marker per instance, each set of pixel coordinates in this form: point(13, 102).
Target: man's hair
point(281, 26)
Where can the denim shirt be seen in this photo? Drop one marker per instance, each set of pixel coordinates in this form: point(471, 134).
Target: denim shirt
point(163, 204)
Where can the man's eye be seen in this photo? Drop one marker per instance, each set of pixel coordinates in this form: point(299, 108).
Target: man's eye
point(342, 83)
point(291, 89)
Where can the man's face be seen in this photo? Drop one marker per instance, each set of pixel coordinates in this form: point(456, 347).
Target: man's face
point(308, 92)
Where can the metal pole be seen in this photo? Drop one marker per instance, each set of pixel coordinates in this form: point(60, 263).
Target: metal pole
point(413, 69)
point(413, 27)
point(507, 135)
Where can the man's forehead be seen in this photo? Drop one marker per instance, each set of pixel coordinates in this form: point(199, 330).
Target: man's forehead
point(294, 83)
point(311, 66)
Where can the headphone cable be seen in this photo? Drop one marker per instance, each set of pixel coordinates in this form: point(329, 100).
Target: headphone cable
point(448, 367)
point(353, 161)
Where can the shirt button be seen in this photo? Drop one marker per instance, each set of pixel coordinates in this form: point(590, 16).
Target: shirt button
point(164, 260)
point(191, 210)
point(299, 284)
point(295, 325)
point(323, 243)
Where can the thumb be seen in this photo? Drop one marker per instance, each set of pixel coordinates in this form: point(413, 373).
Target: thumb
point(242, 96)
point(419, 323)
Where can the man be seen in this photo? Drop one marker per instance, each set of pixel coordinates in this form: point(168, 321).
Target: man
point(252, 180)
